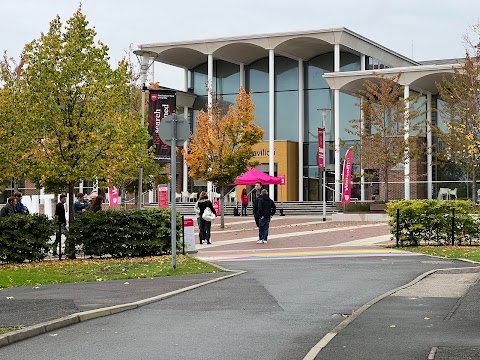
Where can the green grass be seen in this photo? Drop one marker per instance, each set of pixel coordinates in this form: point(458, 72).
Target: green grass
point(73, 271)
point(454, 252)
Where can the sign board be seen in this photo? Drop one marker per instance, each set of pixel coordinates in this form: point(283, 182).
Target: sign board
point(189, 235)
point(216, 206)
point(283, 178)
point(174, 127)
point(321, 149)
point(162, 196)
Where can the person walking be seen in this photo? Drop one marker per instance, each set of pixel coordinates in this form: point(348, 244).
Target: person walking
point(205, 224)
point(266, 209)
point(96, 205)
point(244, 200)
point(61, 223)
point(20, 208)
point(257, 193)
point(9, 208)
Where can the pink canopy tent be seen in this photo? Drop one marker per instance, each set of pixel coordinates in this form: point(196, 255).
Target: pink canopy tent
point(254, 175)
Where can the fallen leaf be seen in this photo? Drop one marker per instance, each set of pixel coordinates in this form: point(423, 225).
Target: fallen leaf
point(9, 297)
point(126, 283)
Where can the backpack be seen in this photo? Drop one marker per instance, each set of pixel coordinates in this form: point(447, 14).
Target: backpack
point(273, 209)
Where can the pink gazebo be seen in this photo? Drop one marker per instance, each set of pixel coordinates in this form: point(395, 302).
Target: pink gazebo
point(254, 175)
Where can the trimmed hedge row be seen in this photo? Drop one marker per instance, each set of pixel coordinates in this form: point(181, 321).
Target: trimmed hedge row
point(444, 222)
point(125, 233)
point(119, 233)
point(25, 237)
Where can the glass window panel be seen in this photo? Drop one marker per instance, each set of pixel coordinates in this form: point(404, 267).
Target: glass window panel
point(261, 111)
point(286, 113)
point(257, 76)
point(199, 79)
point(286, 74)
point(349, 62)
point(227, 77)
point(349, 110)
point(314, 70)
point(316, 99)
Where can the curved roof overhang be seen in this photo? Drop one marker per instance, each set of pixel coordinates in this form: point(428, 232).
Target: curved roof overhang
point(422, 79)
point(246, 50)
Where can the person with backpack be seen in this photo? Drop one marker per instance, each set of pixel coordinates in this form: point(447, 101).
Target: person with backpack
point(266, 209)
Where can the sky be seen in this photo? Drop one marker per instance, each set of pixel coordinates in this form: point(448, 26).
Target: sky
point(421, 30)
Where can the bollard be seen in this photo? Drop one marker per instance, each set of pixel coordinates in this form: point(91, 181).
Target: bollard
point(453, 226)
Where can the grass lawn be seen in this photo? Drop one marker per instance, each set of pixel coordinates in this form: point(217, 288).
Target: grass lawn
point(456, 252)
point(72, 271)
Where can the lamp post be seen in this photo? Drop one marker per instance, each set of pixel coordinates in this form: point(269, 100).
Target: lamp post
point(323, 111)
point(143, 70)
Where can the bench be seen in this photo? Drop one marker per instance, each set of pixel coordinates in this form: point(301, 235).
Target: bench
point(378, 207)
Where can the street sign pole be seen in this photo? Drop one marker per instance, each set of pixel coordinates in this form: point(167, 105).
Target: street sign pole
point(173, 188)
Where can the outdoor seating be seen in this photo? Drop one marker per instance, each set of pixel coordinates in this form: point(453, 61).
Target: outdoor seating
point(185, 196)
point(193, 196)
point(178, 196)
point(232, 196)
point(452, 192)
point(446, 193)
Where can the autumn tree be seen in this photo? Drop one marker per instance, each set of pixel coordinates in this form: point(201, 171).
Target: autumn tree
point(461, 115)
point(382, 132)
point(11, 140)
point(76, 111)
point(221, 148)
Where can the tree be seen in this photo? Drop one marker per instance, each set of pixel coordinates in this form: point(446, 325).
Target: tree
point(461, 115)
point(382, 133)
point(77, 116)
point(11, 140)
point(221, 148)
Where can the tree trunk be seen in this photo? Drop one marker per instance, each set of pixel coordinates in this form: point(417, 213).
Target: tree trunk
point(385, 176)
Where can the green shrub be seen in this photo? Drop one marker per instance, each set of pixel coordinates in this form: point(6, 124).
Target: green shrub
point(427, 221)
point(125, 233)
point(25, 237)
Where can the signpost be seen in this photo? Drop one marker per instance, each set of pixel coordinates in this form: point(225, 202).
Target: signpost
point(175, 129)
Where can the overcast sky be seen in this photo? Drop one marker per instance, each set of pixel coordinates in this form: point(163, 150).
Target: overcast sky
point(421, 30)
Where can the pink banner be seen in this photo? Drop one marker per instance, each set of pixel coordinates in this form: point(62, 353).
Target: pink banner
point(163, 196)
point(321, 148)
point(347, 177)
point(113, 195)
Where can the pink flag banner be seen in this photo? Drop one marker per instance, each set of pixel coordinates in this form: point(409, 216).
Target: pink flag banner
point(113, 193)
point(321, 148)
point(347, 177)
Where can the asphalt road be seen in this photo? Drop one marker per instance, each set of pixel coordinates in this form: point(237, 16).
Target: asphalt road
point(279, 309)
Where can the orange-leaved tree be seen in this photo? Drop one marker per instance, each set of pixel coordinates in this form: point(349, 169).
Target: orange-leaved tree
point(221, 148)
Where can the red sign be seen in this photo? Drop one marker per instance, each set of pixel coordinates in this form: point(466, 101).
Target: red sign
point(216, 206)
point(112, 195)
point(283, 178)
point(321, 148)
point(162, 196)
point(347, 177)
point(187, 222)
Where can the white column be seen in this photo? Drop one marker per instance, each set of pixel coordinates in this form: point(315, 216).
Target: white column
point(300, 129)
point(336, 112)
point(185, 114)
point(242, 75)
point(429, 146)
point(210, 103)
point(406, 94)
point(362, 170)
point(271, 118)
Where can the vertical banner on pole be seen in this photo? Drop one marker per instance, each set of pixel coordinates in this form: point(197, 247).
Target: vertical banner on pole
point(161, 103)
point(163, 196)
point(347, 177)
point(321, 148)
point(112, 195)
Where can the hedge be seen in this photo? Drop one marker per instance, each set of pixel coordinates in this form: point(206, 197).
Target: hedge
point(25, 237)
point(432, 221)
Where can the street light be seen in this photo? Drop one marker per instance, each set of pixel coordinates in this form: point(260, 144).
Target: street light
point(143, 70)
point(323, 111)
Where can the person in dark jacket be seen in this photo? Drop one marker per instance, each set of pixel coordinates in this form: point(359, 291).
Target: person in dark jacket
point(61, 222)
point(205, 226)
point(255, 196)
point(9, 208)
point(80, 205)
point(266, 209)
point(20, 208)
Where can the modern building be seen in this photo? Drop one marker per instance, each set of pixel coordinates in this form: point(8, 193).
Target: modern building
point(301, 81)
